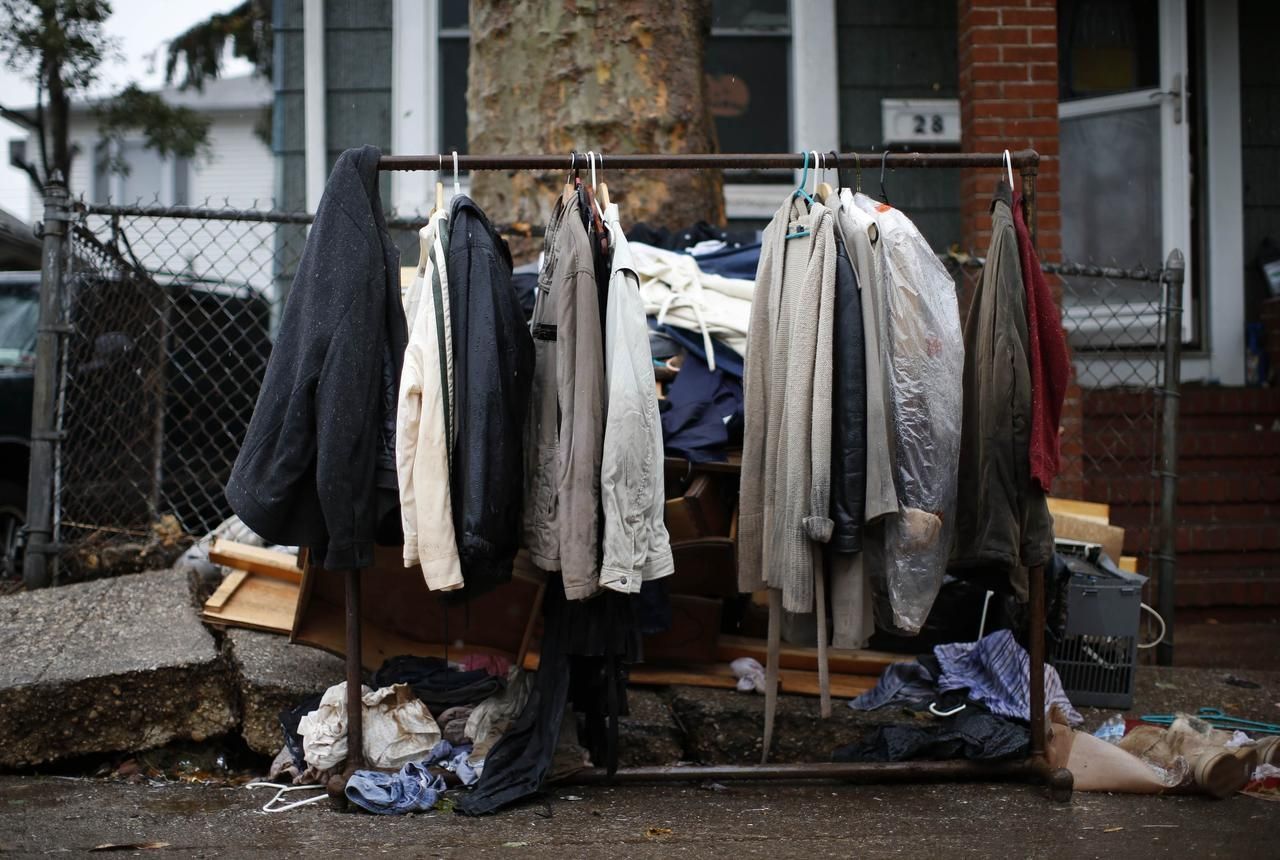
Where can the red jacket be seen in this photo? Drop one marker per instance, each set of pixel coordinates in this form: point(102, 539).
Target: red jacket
point(1050, 362)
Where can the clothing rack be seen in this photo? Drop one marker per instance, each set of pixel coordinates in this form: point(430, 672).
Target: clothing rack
point(1034, 768)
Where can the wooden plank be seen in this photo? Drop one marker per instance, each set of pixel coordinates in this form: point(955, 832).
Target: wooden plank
point(1128, 563)
point(324, 627)
point(844, 661)
point(227, 588)
point(720, 676)
point(259, 603)
point(1099, 512)
point(256, 559)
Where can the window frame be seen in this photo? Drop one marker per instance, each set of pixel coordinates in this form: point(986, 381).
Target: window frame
point(814, 99)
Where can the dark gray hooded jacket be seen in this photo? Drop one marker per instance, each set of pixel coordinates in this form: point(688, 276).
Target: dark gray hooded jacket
point(317, 467)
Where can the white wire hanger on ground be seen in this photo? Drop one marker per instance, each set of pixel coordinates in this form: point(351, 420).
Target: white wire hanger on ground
point(271, 806)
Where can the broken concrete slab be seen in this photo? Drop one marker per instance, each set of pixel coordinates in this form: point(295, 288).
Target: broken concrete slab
point(107, 665)
point(273, 675)
point(727, 727)
point(650, 734)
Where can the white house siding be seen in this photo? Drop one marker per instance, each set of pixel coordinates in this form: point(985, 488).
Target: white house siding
point(237, 172)
point(240, 173)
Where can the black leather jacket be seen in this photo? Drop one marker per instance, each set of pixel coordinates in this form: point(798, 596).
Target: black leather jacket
point(493, 374)
point(848, 411)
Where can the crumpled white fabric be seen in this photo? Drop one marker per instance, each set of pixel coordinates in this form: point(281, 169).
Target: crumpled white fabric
point(750, 674)
point(500, 707)
point(679, 293)
point(398, 728)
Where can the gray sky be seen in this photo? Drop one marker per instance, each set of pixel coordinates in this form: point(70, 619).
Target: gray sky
point(141, 28)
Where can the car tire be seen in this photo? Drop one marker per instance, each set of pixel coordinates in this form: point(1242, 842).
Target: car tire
point(13, 516)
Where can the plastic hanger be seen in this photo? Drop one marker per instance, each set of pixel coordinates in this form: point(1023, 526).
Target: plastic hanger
point(457, 189)
point(884, 195)
point(800, 192)
point(439, 184)
point(603, 192)
point(857, 174)
point(1008, 165)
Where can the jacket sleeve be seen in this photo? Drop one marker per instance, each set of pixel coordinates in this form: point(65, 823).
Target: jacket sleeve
point(348, 389)
point(437, 546)
point(630, 469)
point(408, 418)
point(755, 381)
point(580, 382)
point(818, 523)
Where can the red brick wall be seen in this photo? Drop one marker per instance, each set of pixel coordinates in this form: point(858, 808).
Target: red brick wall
point(1008, 58)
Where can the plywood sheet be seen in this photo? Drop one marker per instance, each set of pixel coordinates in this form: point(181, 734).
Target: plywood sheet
point(1099, 512)
point(253, 601)
point(1080, 528)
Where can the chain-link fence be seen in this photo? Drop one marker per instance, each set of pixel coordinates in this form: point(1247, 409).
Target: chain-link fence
point(170, 314)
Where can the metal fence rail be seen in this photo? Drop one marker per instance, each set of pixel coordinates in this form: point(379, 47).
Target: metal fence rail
point(163, 329)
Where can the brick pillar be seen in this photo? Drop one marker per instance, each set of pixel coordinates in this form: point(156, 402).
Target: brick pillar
point(1008, 64)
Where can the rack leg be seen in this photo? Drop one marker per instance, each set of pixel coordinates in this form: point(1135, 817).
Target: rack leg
point(1058, 780)
point(355, 705)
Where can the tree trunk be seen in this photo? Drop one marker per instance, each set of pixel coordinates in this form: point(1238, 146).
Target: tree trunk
point(59, 112)
point(622, 77)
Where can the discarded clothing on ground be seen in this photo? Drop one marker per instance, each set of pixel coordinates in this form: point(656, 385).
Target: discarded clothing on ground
point(995, 671)
point(453, 724)
point(586, 646)
point(967, 735)
point(289, 719)
point(491, 716)
point(412, 789)
point(436, 683)
point(398, 728)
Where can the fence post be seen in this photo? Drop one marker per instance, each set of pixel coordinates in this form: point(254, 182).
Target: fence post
point(36, 570)
point(1175, 273)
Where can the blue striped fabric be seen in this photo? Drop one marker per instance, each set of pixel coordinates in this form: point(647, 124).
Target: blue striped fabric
point(996, 671)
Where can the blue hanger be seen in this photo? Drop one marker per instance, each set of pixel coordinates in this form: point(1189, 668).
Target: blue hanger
point(800, 192)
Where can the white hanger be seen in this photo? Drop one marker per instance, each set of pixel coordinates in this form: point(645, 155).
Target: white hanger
point(457, 189)
point(591, 160)
point(814, 192)
point(1008, 163)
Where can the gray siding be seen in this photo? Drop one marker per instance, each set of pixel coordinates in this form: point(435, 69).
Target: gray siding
point(899, 49)
point(357, 102)
point(1260, 139)
point(357, 87)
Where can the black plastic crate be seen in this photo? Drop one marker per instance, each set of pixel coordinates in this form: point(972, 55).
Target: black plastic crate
point(1098, 655)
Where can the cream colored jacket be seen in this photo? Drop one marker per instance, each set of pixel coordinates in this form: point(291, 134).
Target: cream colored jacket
point(424, 421)
point(636, 544)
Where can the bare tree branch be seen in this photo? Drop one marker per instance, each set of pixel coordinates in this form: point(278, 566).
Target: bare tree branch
point(19, 118)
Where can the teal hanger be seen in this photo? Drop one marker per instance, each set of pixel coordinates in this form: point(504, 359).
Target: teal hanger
point(800, 192)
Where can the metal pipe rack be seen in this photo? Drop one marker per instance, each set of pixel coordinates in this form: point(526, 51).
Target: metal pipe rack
point(1034, 768)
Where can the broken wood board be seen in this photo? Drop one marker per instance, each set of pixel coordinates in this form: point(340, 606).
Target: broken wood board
point(256, 559)
point(403, 617)
point(250, 600)
point(325, 628)
point(1099, 512)
point(1074, 527)
point(842, 661)
point(720, 676)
